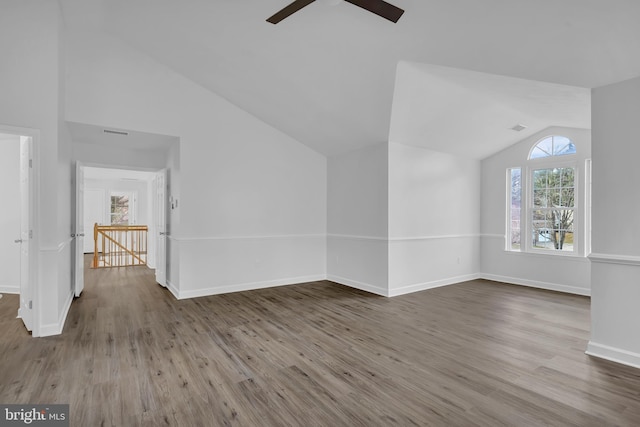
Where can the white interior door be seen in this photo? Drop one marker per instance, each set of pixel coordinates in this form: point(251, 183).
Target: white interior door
point(78, 276)
point(10, 213)
point(160, 221)
point(25, 312)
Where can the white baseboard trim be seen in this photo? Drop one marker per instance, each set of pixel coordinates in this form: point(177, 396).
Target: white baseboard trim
point(56, 328)
point(536, 284)
point(9, 290)
point(613, 354)
point(173, 289)
point(245, 286)
point(433, 284)
point(178, 294)
point(358, 285)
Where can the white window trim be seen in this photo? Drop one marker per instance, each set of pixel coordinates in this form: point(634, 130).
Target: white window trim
point(582, 208)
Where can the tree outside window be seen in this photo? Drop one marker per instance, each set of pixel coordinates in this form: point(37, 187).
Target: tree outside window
point(553, 208)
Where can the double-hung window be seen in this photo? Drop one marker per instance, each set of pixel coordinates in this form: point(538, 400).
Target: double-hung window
point(552, 211)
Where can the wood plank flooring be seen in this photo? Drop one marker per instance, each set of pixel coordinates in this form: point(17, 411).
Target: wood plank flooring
point(318, 354)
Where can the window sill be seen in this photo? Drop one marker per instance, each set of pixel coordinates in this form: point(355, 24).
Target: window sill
point(572, 256)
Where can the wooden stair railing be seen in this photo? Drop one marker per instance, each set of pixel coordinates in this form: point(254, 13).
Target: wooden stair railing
point(119, 245)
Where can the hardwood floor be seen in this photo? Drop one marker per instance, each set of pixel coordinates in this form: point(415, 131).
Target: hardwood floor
point(318, 354)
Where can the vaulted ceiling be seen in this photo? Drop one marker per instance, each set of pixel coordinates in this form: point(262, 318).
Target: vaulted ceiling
point(326, 75)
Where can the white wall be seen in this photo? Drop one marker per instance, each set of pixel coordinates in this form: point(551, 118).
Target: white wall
point(100, 155)
point(615, 268)
point(434, 225)
point(252, 201)
point(357, 241)
point(29, 83)
point(65, 197)
point(10, 213)
point(555, 272)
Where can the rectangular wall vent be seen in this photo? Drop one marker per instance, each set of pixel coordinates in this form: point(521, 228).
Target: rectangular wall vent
point(116, 132)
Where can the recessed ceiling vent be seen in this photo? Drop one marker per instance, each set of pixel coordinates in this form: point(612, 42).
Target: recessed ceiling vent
point(519, 127)
point(116, 132)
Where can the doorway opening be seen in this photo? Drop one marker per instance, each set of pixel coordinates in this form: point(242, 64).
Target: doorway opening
point(113, 206)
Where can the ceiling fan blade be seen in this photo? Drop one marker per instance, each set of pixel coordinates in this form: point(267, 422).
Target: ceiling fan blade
point(380, 8)
point(289, 10)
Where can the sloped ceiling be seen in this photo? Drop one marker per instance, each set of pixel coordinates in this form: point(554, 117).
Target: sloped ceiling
point(472, 114)
point(325, 75)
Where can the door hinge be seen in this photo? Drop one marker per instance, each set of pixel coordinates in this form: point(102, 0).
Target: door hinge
point(31, 234)
point(30, 304)
point(31, 163)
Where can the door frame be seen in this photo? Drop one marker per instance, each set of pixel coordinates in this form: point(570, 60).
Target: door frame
point(160, 225)
point(78, 235)
point(34, 220)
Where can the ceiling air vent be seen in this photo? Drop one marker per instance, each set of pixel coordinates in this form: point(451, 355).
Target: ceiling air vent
point(116, 132)
point(519, 127)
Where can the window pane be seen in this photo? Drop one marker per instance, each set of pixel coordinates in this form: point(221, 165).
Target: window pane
point(515, 208)
point(553, 146)
point(567, 179)
point(565, 149)
point(567, 198)
point(540, 177)
point(546, 145)
point(540, 198)
point(563, 145)
point(538, 153)
point(541, 221)
point(554, 198)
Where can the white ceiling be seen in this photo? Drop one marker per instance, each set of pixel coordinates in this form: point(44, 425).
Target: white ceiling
point(326, 75)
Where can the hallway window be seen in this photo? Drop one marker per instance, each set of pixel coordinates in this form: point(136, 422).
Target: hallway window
point(120, 208)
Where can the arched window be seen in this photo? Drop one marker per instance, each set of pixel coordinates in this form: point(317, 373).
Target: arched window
point(542, 199)
point(552, 146)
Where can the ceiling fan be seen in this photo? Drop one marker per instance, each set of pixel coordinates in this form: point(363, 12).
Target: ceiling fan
point(379, 7)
